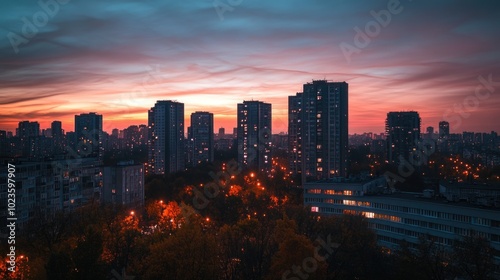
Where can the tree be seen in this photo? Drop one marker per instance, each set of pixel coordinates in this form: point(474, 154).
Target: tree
point(87, 256)
point(357, 255)
point(246, 249)
point(474, 258)
point(59, 266)
point(119, 239)
point(295, 258)
point(432, 258)
point(189, 253)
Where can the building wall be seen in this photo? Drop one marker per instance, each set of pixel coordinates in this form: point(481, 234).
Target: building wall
point(88, 131)
point(254, 135)
point(166, 137)
point(405, 217)
point(318, 119)
point(403, 134)
point(44, 188)
point(294, 133)
point(123, 185)
point(202, 137)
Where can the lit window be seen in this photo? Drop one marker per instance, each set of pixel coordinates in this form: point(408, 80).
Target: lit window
point(369, 215)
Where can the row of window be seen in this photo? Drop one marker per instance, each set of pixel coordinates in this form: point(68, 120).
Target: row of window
point(397, 230)
point(330, 192)
point(436, 239)
point(404, 209)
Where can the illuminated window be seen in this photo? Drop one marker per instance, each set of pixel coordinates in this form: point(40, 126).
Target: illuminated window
point(369, 215)
point(349, 202)
point(314, 209)
point(317, 191)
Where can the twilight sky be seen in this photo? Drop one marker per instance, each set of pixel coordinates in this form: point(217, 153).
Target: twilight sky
point(118, 57)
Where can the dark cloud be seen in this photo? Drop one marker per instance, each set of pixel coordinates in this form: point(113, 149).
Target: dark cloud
point(127, 54)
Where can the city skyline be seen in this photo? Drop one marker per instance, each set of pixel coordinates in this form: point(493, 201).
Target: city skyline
point(108, 129)
point(117, 59)
point(238, 139)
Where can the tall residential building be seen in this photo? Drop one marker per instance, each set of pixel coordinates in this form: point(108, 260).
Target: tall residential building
point(28, 129)
point(254, 135)
point(166, 137)
point(403, 134)
point(56, 129)
point(294, 133)
point(444, 129)
point(318, 130)
point(57, 137)
point(88, 131)
point(4, 143)
point(28, 136)
point(444, 141)
point(202, 138)
point(429, 135)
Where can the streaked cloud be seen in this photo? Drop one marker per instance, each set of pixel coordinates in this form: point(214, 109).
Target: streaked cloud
point(118, 57)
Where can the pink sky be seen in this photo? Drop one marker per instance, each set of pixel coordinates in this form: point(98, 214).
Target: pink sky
point(119, 59)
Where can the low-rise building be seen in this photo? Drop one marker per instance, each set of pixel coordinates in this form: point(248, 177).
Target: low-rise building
point(123, 184)
point(47, 187)
point(396, 216)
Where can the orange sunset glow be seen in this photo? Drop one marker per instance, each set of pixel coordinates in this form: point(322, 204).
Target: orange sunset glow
point(119, 61)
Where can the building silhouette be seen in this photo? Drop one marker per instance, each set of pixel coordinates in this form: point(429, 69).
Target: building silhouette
point(201, 137)
point(57, 137)
point(254, 135)
point(403, 134)
point(88, 133)
point(27, 129)
point(444, 129)
point(318, 130)
point(166, 137)
point(294, 133)
point(28, 136)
